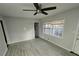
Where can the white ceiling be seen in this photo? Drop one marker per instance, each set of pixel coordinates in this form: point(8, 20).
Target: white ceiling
point(15, 9)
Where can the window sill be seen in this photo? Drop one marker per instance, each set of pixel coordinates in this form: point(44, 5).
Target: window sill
point(53, 36)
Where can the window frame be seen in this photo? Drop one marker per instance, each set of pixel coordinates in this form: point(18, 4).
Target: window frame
point(59, 37)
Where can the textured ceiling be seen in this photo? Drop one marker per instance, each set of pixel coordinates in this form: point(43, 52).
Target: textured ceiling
point(15, 9)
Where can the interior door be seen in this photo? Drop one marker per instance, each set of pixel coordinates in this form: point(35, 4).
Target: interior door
point(3, 46)
point(36, 26)
point(76, 45)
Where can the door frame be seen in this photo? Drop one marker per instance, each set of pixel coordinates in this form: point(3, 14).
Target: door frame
point(4, 32)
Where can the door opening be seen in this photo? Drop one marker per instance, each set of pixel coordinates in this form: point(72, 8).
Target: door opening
point(36, 27)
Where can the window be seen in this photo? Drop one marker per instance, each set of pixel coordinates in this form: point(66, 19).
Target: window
point(46, 28)
point(54, 28)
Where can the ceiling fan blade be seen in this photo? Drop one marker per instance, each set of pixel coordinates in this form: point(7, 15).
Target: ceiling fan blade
point(44, 13)
point(49, 8)
point(36, 6)
point(28, 10)
point(35, 13)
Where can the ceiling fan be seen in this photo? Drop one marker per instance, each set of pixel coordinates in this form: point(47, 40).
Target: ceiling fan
point(39, 9)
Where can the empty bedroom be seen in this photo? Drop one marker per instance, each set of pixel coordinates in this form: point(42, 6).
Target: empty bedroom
point(39, 29)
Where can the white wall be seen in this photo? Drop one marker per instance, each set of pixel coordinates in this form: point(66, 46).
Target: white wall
point(71, 18)
point(19, 29)
point(3, 46)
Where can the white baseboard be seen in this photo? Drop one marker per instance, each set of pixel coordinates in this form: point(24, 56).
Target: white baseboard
point(19, 41)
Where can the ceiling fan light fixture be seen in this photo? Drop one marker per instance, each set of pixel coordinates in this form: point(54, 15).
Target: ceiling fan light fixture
point(39, 9)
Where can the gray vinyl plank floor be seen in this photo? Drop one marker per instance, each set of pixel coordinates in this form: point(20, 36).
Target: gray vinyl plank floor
point(36, 47)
